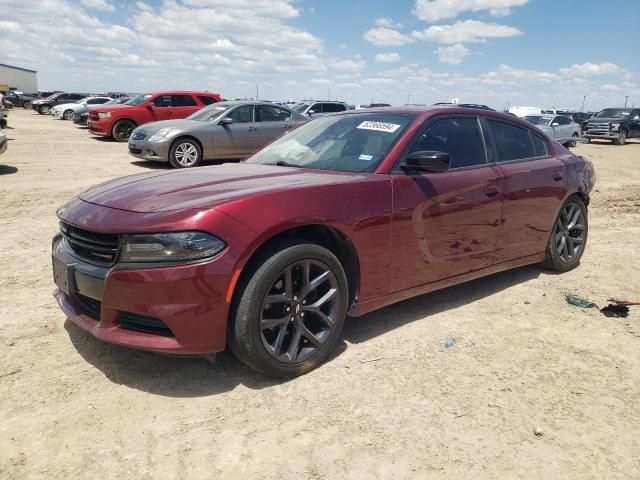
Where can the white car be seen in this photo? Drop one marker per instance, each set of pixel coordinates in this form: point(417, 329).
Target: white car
point(65, 111)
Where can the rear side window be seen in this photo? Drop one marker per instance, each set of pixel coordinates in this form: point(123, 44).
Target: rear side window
point(272, 114)
point(183, 101)
point(460, 137)
point(97, 101)
point(163, 101)
point(540, 147)
point(206, 100)
point(512, 142)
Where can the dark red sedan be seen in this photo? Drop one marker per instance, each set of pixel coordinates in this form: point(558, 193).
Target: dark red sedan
point(342, 216)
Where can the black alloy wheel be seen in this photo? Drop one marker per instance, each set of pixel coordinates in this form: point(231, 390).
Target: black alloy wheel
point(290, 312)
point(122, 130)
point(568, 237)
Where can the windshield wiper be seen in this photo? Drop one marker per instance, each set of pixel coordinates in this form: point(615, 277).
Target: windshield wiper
point(282, 163)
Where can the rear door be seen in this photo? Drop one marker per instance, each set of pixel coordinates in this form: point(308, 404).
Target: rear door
point(446, 223)
point(239, 138)
point(272, 122)
point(183, 105)
point(534, 187)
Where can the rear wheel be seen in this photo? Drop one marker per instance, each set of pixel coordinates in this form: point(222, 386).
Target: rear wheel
point(622, 138)
point(185, 153)
point(45, 110)
point(568, 237)
point(573, 142)
point(27, 105)
point(122, 130)
point(68, 115)
point(290, 312)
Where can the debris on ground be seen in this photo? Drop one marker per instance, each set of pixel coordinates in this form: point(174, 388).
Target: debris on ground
point(617, 311)
point(622, 302)
point(449, 344)
point(579, 302)
point(537, 431)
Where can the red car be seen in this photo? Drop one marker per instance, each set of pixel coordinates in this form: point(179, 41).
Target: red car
point(118, 121)
point(342, 216)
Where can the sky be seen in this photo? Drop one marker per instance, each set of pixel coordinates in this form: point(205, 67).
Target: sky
point(546, 53)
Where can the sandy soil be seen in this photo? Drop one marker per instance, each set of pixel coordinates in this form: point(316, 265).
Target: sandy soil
point(392, 402)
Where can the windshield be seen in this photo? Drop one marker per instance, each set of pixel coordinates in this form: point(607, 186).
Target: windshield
point(139, 100)
point(300, 107)
point(613, 113)
point(210, 111)
point(537, 119)
point(344, 143)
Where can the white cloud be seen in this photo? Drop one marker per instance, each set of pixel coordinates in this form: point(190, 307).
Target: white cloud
point(388, 23)
point(387, 37)
point(144, 6)
point(506, 74)
point(356, 64)
point(434, 10)
point(453, 54)
point(98, 5)
point(592, 69)
point(609, 87)
point(467, 31)
point(389, 57)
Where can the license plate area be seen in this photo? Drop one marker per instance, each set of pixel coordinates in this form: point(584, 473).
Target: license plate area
point(63, 276)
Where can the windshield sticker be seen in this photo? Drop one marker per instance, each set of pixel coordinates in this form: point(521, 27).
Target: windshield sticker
point(366, 158)
point(379, 126)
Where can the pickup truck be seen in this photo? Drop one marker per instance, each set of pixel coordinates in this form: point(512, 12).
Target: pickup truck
point(616, 124)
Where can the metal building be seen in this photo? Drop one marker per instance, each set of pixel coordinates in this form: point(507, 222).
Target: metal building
point(17, 78)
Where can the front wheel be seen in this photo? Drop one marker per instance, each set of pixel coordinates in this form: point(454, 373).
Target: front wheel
point(122, 130)
point(44, 110)
point(68, 115)
point(573, 143)
point(185, 153)
point(622, 138)
point(569, 236)
point(27, 105)
point(290, 312)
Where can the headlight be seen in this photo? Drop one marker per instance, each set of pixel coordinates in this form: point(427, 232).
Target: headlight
point(615, 126)
point(170, 247)
point(104, 114)
point(160, 135)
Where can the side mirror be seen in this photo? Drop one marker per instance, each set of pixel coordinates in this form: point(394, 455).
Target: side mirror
point(311, 112)
point(555, 124)
point(149, 106)
point(226, 121)
point(428, 161)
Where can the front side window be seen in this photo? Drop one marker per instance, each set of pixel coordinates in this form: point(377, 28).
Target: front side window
point(242, 114)
point(268, 113)
point(163, 101)
point(343, 143)
point(460, 137)
point(512, 142)
point(183, 101)
point(563, 120)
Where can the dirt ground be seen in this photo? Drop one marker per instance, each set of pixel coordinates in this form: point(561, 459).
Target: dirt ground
point(391, 403)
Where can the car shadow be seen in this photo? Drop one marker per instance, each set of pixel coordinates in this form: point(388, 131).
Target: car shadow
point(192, 376)
point(7, 169)
point(151, 165)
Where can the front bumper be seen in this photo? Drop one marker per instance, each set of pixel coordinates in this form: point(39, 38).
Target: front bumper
point(602, 135)
point(157, 151)
point(100, 127)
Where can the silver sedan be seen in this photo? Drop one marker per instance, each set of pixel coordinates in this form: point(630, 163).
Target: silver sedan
point(225, 130)
point(557, 126)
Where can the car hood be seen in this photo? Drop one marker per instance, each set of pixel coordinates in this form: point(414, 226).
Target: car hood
point(205, 187)
point(177, 123)
point(606, 120)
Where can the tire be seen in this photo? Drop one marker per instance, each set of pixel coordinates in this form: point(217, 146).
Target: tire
point(573, 143)
point(270, 348)
point(622, 138)
point(44, 109)
point(122, 130)
point(67, 115)
point(185, 153)
point(27, 105)
point(570, 229)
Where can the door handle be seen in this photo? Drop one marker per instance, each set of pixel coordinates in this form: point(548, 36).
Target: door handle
point(491, 190)
point(557, 175)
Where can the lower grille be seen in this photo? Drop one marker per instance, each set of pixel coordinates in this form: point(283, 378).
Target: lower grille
point(89, 306)
point(142, 323)
point(137, 151)
point(100, 248)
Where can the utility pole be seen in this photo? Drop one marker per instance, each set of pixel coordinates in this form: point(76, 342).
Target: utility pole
point(408, 98)
point(257, 91)
point(625, 100)
point(584, 97)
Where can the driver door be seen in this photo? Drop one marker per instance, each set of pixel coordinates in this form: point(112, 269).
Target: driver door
point(446, 223)
point(240, 138)
point(162, 109)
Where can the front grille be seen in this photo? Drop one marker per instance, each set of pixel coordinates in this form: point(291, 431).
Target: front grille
point(598, 128)
point(137, 136)
point(100, 248)
point(89, 306)
point(145, 324)
point(93, 116)
point(137, 151)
